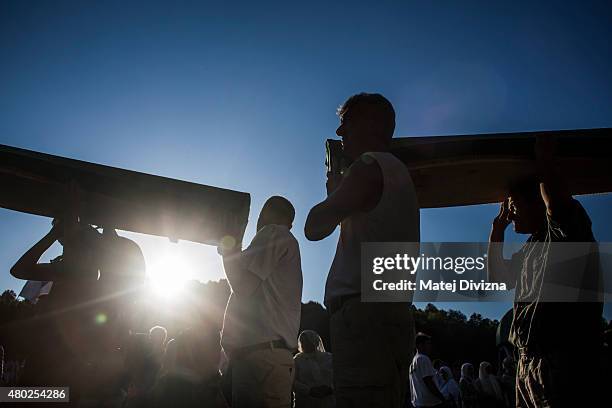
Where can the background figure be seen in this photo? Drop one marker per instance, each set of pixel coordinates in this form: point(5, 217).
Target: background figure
point(189, 377)
point(490, 393)
point(169, 359)
point(469, 394)
point(450, 388)
point(508, 381)
point(140, 371)
point(157, 339)
point(423, 387)
point(313, 373)
point(437, 364)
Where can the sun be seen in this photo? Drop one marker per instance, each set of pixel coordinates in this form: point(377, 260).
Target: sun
point(170, 265)
point(168, 274)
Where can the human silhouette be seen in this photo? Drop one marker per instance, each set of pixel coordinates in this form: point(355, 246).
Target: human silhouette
point(83, 318)
point(424, 388)
point(262, 316)
point(374, 200)
point(313, 373)
point(546, 331)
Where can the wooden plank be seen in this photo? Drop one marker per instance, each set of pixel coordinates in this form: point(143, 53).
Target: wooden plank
point(43, 184)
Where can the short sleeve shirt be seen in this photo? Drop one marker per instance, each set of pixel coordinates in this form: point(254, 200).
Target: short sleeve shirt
point(420, 368)
point(547, 323)
point(272, 312)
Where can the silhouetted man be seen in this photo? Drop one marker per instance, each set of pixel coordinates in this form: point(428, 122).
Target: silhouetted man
point(558, 342)
point(157, 337)
point(79, 320)
point(53, 353)
point(79, 260)
point(373, 201)
point(262, 316)
point(424, 389)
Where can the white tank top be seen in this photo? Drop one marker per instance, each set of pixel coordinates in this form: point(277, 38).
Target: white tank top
point(394, 219)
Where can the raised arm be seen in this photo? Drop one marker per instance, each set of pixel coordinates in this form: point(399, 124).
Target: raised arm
point(246, 270)
point(554, 192)
point(498, 268)
point(359, 190)
point(28, 268)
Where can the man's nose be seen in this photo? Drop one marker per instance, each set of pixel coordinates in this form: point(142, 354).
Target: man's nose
point(339, 131)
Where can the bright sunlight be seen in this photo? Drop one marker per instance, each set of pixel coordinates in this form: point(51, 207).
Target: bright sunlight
point(168, 275)
point(170, 265)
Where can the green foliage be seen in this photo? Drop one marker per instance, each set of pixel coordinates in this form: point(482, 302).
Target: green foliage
point(455, 338)
point(12, 309)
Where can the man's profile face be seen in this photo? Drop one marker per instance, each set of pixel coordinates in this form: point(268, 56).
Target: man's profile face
point(352, 129)
point(262, 220)
point(266, 216)
point(525, 214)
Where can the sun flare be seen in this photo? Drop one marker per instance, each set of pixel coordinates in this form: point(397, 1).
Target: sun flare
point(168, 275)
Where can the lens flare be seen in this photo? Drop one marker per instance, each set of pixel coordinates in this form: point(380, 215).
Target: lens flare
point(101, 318)
point(168, 276)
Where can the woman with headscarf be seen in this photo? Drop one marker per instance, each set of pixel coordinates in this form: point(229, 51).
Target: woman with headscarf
point(313, 373)
point(489, 391)
point(449, 387)
point(469, 394)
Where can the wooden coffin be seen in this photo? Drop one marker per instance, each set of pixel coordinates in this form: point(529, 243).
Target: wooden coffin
point(53, 186)
point(478, 169)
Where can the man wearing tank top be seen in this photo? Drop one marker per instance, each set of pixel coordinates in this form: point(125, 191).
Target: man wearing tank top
point(373, 201)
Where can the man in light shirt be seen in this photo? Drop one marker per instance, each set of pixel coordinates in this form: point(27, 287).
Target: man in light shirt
point(373, 201)
point(423, 387)
point(262, 316)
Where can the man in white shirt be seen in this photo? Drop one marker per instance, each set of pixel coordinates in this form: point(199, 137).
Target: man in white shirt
point(373, 201)
point(262, 316)
point(423, 388)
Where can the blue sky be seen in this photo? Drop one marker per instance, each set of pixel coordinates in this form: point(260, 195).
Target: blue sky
point(243, 95)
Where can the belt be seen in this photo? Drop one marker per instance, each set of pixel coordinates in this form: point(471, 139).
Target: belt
point(268, 345)
point(336, 304)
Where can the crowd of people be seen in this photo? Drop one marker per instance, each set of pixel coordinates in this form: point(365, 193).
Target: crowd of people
point(374, 343)
point(434, 384)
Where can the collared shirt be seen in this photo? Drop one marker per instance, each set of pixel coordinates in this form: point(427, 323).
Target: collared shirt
point(272, 312)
